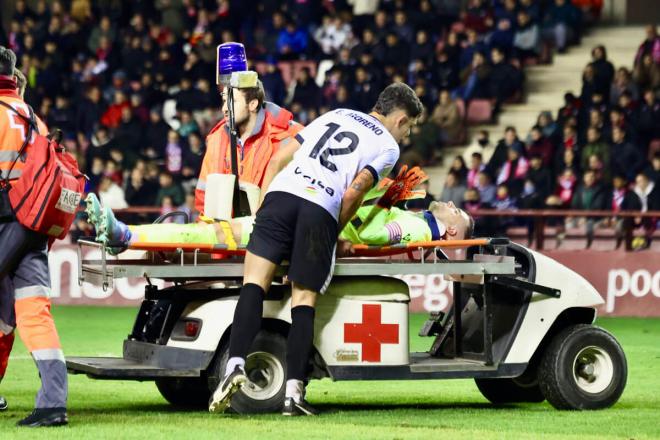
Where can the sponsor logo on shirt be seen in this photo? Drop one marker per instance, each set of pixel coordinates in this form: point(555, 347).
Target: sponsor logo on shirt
point(313, 183)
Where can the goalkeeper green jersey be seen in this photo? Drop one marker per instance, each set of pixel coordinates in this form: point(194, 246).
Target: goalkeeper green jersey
point(379, 226)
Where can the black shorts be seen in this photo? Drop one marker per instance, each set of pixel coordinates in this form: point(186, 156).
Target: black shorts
point(288, 227)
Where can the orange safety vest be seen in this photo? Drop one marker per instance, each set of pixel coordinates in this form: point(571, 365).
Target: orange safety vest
point(275, 126)
point(12, 134)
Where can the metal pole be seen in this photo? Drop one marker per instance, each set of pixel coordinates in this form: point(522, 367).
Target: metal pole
point(233, 139)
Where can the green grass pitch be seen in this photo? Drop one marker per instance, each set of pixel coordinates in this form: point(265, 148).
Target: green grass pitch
point(450, 409)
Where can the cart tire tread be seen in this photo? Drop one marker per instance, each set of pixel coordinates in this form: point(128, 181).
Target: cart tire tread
point(559, 387)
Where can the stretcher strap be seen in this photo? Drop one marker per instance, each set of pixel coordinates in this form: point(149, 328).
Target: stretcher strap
point(229, 235)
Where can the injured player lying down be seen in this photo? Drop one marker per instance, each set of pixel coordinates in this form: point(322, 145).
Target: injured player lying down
point(377, 224)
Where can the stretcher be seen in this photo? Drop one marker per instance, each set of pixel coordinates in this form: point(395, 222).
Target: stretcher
point(184, 262)
point(509, 307)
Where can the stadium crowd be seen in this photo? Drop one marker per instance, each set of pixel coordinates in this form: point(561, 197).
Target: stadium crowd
point(132, 86)
point(600, 152)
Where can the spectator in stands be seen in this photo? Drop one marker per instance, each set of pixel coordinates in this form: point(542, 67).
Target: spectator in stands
point(111, 194)
point(458, 166)
point(331, 35)
point(475, 79)
point(422, 144)
point(396, 51)
point(650, 46)
point(621, 198)
point(540, 176)
point(571, 108)
point(483, 138)
point(403, 29)
point(422, 49)
point(603, 70)
point(138, 191)
point(628, 161)
point(454, 189)
point(173, 153)
point(540, 145)
point(503, 34)
point(447, 117)
point(170, 189)
point(444, 71)
point(505, 79)
point(648, 193)
point(487, 190)
point(595, 146)
point(476, 166)
point(561, 23)
point(647, 73)
point(649, 196)
point(514, 170)
point(623, 82)
point(504, 202)
point(380, 26)
point(156, 132)
point(527, 39)
point(648, 123)
point(569, 142)
point(548, 125)
point(364, 93)
point(568, 159)
point(478, 16)
point(341, 99)
point(653, 170)
point(291, 42)
point(590, 195)
point(564, 190)
point(530, 198)
point(306, 92)
point(363, 12)
point(500, 155)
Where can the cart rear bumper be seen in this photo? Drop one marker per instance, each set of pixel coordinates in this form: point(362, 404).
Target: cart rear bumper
point(143, 361)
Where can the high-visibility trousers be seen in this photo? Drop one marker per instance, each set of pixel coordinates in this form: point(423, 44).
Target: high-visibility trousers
point(25, 284)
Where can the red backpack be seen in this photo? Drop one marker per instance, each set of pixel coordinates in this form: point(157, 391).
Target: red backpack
point(46, 196)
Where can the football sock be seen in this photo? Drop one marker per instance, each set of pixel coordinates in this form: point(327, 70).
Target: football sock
point(247, 320)
point(232, 363)
point(299, 342)
point(295, 389)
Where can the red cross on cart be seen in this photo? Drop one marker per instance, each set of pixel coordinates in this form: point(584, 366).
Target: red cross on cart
point(371, 333)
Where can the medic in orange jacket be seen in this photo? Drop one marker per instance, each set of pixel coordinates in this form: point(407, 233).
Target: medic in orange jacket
point(263, 127)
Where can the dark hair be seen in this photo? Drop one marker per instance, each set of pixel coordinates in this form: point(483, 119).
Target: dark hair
point(21, 81)
point(255, 93)
point(510, 128)
point(398, 96)
point(469, 230)
point(7, 61)
point(477, 154)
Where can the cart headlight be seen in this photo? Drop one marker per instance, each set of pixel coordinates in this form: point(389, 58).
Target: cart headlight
point(187, 329)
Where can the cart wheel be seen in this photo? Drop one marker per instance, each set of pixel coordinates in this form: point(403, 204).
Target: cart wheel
point(584, 367)
point(519, 389)
point(266, 369)
point(185, 392)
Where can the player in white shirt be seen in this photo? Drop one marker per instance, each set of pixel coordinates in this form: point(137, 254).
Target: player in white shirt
point(314, 187)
